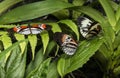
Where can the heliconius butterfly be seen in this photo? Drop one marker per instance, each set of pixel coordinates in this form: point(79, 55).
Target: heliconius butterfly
point(88, 28)
point(66, 42)
point(31, 29)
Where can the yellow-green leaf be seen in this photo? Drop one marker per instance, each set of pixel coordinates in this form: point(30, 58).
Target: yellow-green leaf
point(45, 40)
point(33, 43)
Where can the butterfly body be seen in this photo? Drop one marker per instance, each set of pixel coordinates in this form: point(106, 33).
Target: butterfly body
point(66, 42)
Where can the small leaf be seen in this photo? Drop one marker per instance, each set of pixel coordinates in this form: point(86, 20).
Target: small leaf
point(33, 42)
point(22, 45)
point(72, 25)
point(45, 40)
point(55, 27)
point(5, 39)
point(50, 47)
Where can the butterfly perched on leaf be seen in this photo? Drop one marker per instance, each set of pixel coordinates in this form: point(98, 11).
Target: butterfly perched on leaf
point(31, 29)
point(66, 42)
point(88, 28)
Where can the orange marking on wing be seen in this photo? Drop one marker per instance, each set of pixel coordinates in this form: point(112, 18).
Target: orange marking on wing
point(64, 37)
point(15, 29)
point(44, 26)
point(23, 27)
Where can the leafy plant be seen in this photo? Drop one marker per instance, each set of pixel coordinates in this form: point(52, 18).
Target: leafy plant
point(45, 60)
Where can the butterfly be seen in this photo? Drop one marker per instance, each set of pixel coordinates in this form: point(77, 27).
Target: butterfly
point(88, 28)
point(66, 42)
point(31, 29)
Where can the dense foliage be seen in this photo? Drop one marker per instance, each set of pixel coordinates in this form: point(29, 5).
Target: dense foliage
point(39, 56)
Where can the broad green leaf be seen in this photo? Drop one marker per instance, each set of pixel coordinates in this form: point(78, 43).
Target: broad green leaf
point(104, 51)
point(118, 13)
point(55, 27)
point(45, 40)
point(72, 25)
point(42, 70)
point(109, 11)
point(117, 40)
point(52, 69)
point(6, 4)
point(86, 49)
point(108, 34)
point(33, 10)
point(96, 15)
point(62, 14)
point(2, 72)
point(3, 53)
point(117, 26)
point(16, 64)
point(35, 63)
point(33, 43)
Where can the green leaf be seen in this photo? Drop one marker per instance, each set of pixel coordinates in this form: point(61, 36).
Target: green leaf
point(109, 35)
point(3, 53)
point(55, 27)
point(117, 26)
point(6, 4)
point(33, 42)
point(86, 49)
point(117, 70)
point(117, 40)
point(5, 39)
point(33, 10)
point(20, 37)
point(118, 13)
point(34, 64)
point(96, 15)
point(15, 66)
point(7, 26)
point(50, 47)
point(52, 69)
point(109, 11)
point(2, 72)
point(114, 5)
point(45, 40)
point(72, 25)
point(42, 70)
